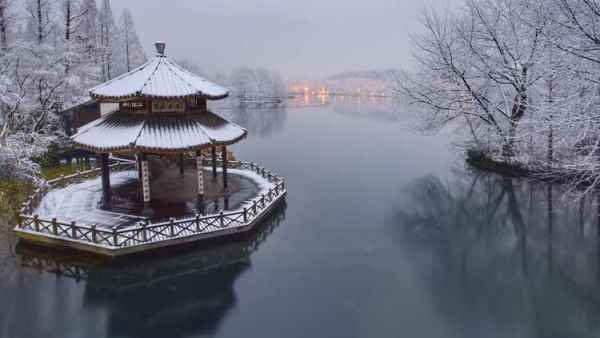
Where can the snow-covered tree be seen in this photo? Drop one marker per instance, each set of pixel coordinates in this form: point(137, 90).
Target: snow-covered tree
point(7, 23)
point(478, 67)
point(108, 31)
point(39, 20)
point(131, 51)
point(256, 86)
point(519, 76)
point(51, 52)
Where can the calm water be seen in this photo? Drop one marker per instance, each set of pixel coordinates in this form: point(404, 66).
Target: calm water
point(384, 233)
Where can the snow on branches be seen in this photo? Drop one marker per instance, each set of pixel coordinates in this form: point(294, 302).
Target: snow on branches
point(519, 77)
point(51, 52)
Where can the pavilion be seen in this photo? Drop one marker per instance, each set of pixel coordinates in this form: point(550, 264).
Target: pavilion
point(162, 112)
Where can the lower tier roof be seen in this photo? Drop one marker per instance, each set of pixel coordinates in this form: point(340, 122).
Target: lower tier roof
point(153, 132)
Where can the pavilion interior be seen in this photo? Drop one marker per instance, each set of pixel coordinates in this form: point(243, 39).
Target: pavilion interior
point(173, 195)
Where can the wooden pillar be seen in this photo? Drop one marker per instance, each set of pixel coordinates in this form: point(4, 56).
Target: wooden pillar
point(145, 178)
point(214, 162)
point(181, 164)
point(138, 165)
point(105, 176)
point(226, 203)
point(200, 172)
point(224, 161)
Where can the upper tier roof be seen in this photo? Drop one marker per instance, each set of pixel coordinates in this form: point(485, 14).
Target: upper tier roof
point(161, 78)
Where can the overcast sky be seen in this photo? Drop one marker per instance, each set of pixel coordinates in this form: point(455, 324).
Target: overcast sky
point(300, 38)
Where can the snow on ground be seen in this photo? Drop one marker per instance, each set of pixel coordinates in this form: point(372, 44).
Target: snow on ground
point(80, 202)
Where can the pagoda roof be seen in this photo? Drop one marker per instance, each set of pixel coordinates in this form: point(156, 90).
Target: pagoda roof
point(168, 132)
point(159, 78)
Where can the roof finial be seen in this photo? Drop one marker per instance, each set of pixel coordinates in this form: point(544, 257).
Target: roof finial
point(160, 48)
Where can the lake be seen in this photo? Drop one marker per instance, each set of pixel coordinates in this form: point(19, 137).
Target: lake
point(385, 233)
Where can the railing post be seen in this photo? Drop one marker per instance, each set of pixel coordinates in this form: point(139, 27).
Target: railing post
point(54, 227)
point(221, 218)
point(94, 235)
point(145, 231)
point(36, 222)
point(171, 227)
point(197, 221)
point(114, 236)
point(245, 215)
point(73, 230)
point(18, 219)
point(254, 207)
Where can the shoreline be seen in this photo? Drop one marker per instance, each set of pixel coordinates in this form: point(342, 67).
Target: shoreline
point(480, 161)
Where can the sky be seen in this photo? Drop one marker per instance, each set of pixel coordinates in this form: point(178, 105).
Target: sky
point(302, 39)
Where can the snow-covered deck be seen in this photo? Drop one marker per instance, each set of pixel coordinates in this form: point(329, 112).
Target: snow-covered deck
point(174, 196)
point(68, 214)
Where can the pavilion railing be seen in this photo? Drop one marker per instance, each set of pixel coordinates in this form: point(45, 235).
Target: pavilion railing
point(146, 232)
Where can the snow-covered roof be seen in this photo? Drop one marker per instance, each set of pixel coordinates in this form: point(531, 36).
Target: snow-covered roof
point(159, 77)
point(168, 132)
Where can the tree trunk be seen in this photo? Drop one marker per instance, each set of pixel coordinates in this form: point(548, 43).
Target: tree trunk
point(39, 22)
point(518, 110)
point(550, 154)
point(3, 135)
point(67, 31)
point(126, 24)
point(509, 143)
point(3, 28)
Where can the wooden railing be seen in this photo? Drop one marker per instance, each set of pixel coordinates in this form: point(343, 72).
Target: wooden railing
point(146, 232)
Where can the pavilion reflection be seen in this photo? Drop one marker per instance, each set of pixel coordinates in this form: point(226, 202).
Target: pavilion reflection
point(175, 294)
point(509, 251)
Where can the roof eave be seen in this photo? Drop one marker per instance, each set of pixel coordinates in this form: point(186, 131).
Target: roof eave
point(135, 96)
point(139, 149)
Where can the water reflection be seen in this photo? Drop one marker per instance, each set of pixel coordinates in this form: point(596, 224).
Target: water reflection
point(374, 108)
point(357, 107)
point(510, 254)
point(264, 122)
point(179, 293)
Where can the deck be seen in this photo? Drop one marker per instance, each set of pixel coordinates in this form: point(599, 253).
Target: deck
point(173, 195)
point(69, 211)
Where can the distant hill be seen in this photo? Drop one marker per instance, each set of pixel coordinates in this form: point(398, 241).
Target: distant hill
point(377, 82)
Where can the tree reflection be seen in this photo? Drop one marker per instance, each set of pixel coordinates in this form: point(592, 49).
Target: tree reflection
point(264, 122)
point(11, 192)
point(508, 252)
point(172, 294)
